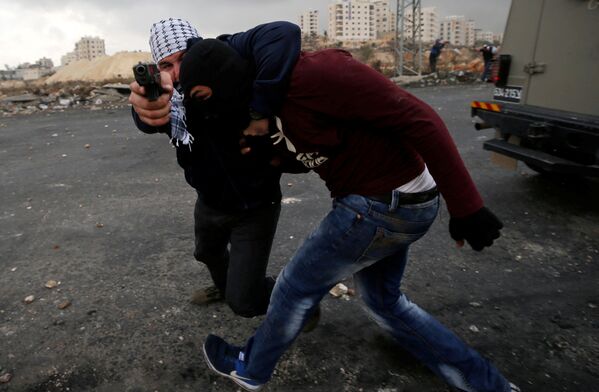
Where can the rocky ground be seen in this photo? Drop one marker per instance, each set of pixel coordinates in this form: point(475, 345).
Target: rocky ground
point(96, 270)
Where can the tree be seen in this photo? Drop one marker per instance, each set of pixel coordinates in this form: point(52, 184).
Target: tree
point(365, 53)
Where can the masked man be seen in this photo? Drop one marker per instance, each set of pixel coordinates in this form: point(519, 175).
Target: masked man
point(238, 202)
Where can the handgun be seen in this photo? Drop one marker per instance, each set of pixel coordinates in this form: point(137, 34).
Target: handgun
point(148, 76)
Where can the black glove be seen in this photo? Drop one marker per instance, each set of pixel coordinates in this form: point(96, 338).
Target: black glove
point(479, 229)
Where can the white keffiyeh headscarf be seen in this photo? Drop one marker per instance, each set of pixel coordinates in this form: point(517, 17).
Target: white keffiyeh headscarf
point(170, 36)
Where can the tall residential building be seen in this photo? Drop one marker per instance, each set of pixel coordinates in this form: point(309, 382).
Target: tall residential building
point(352, 20)
point(308, 22)
point(470, 33)
point(89, 48)
point(384, 18)
point(360, 20)
point(458, 30)
point(429, 24)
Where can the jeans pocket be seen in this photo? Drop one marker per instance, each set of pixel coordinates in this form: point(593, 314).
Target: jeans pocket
point(386, 243)
point(348, 218)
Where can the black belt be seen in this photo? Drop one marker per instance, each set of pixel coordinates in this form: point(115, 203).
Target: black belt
point(407, 198)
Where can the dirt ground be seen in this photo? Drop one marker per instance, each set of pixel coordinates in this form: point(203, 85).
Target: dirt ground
point(102, 209)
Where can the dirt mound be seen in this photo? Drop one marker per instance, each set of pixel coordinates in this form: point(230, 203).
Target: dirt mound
point(117, 66)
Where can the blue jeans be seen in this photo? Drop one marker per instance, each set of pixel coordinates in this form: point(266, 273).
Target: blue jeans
point(370, 240)
point(487, 71)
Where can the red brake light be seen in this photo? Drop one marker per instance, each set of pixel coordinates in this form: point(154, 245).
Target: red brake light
point(503, 70)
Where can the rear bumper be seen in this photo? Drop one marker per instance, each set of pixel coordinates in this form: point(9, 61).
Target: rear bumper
point(547, 162)
point(552, 140)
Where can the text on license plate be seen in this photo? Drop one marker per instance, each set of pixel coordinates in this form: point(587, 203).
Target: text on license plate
point(507, 94)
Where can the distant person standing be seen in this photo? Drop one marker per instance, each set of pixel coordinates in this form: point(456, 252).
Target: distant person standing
point(488, 52)
point(435, 53)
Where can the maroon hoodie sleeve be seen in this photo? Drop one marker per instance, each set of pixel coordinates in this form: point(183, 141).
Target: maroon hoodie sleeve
point(335, 84)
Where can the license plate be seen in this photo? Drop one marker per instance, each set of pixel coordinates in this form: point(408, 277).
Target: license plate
point(507, 94)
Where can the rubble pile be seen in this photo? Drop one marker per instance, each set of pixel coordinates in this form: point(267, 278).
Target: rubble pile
point(454, 66)
point(441, 78)
point(98, 84)
point(61, 97)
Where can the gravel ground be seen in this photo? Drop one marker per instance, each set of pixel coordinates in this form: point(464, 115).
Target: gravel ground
point(104, 211)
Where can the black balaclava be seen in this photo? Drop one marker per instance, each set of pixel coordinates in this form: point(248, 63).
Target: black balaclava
point(215, 64)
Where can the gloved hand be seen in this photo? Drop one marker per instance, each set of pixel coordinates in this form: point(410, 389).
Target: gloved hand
point(479, 229)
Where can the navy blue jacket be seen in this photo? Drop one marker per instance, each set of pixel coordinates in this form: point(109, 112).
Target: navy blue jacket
point(225, 179)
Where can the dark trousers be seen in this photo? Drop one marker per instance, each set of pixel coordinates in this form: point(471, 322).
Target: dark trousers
point(432, 62)
point(235, 247)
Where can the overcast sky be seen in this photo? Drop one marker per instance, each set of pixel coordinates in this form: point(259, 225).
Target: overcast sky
point(32, 29)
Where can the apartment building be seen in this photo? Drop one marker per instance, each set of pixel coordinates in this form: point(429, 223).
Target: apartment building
point(308, 23)
point(458, 30)
point(363, 20)
point(352, 20)
point(87, 48)
point(360, 20)
point(470, 35)
point(429, 24)
point(385, 19)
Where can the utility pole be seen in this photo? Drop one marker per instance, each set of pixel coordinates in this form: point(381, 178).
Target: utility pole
point(408, 44)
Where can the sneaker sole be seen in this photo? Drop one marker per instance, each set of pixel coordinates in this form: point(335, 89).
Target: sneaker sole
point(247, 387)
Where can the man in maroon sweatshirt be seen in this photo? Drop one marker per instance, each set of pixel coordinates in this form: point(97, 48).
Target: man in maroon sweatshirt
point(385, 156)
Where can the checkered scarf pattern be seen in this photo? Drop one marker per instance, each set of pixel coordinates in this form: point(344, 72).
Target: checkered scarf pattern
point(179, 133)
point(170, 36)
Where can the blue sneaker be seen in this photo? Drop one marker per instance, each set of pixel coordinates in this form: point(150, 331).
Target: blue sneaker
point(227, 361)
